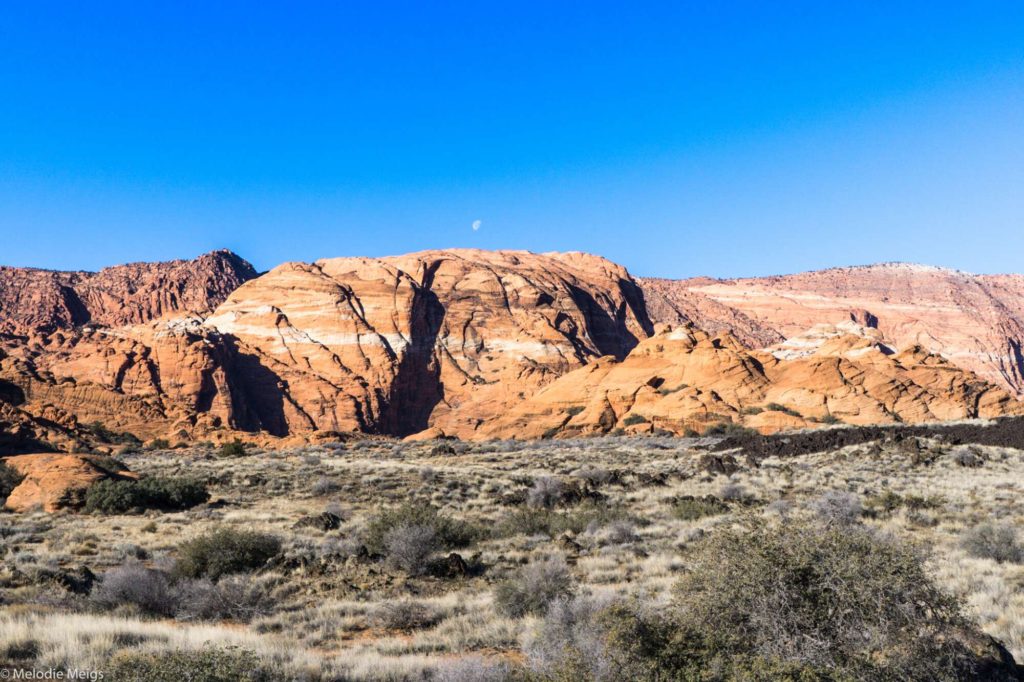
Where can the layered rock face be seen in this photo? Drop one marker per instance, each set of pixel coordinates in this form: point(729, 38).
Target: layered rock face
point(684, 380)
point(114, 347)
point(439, 339)
point(43, 301)
point(475, 343)
point(442, 339)
point(975, 321)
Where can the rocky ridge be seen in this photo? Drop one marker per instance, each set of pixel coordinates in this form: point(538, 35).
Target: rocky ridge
point(473, 343)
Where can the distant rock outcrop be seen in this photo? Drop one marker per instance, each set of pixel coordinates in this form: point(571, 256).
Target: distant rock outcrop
point(469, 343)
point(975, 321)
point(684, 380)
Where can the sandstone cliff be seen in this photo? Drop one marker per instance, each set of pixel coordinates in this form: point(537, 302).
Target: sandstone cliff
point(474, 343)
point(685, 380)
point(975, 321)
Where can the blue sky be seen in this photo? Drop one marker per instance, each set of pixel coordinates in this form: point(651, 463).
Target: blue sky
point(679, 139)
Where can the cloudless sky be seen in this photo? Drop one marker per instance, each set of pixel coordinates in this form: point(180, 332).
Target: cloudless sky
point(678, 138)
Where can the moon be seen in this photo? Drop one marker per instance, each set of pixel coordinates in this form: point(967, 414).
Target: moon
point(477, 224)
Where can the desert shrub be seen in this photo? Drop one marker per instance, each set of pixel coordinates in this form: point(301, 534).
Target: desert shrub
point(405, 614)
point(844, 600)
point(836, 507)
point(533, 587)
point(730, 429)
point(546, 492)
point(540, 521)
point(595, 476)
point(225, 664)
point(619, 532)
point(889, 501)
point(324, 486)
point(133, 584)
point(967, 457)
point(224, 551)
point(634, 419)
point(732, 492)
point(449, 533)
point(111, 496)
point(996, 541)
point(475, 669)
point(800, 603)
point(9, 480)
point(159, 444)
point(776, 407)
point(235, 448)
point(689, 508)
point(408, 547)
point(105, 435)
point(574, 410)
point(236, 597)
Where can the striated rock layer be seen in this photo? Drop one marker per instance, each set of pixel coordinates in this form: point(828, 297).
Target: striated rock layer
point(442, 339)
point(975, 321)
point(684, 380)
point(472, 343)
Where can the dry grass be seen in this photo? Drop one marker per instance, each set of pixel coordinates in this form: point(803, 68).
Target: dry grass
point(324, 621)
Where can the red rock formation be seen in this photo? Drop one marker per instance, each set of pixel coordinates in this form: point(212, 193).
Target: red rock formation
point(975, 321)
point(443, 339)
point(43, 301)
point(54, 481)
point(449, 341)
point(685, 380)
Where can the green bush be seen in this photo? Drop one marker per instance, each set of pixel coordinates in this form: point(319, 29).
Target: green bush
point(729, 429)
point(226, 664)
point(235, 448)
point(105, 435)
point(159, 444)
point(634, 419)
point(540, 521)
point(776, 407)
point(224, 551)
point(448, 533)
point(9, 480)
point(111, 496)
point(690, 508)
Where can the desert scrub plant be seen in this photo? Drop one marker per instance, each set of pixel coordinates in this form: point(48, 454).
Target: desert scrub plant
point(634, 419)
point(546, 492)
point(408, 547)
point(224, 551)
point(837, 507)
point(532, 521)
point(690, 508)
point(448, 533)
point(996, 541)
point(239, 597)
point(888, 502)
point(532, 588)
point(111, 496)
point(847, 601)
point(146, 589)
point(221, 664)
point(105, 435)
point(9, 480)
point(776, 407)
point(235, 448)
